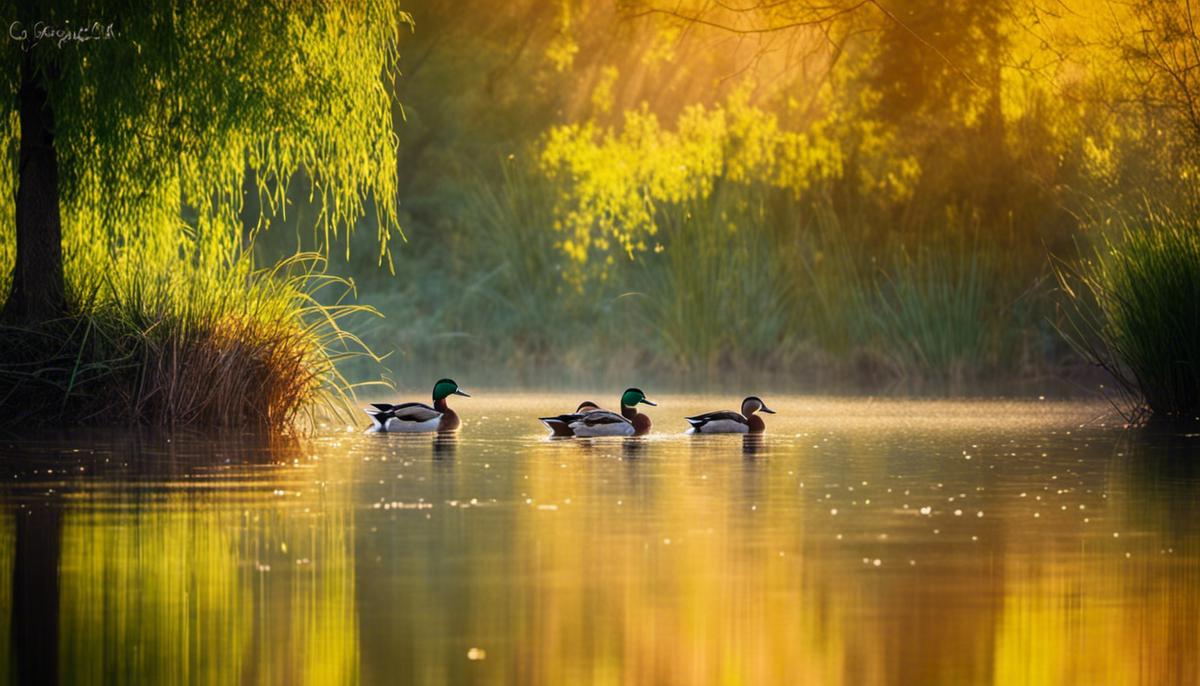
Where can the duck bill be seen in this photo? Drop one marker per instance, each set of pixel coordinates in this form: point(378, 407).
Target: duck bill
point(647, 402)
point(462, 393)
point(766, 409)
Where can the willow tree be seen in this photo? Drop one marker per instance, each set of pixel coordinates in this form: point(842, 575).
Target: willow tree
point(134, 129)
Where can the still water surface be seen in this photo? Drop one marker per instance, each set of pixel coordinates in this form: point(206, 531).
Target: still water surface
point(857, 542)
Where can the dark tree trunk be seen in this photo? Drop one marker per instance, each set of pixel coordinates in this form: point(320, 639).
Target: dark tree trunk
point(38, 293)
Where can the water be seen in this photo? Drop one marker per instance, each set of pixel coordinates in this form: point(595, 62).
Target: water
point(857, 542)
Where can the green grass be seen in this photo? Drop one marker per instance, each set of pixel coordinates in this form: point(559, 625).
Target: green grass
point(1136, 312)
point(932, 316)
point(717, 300)
point(223, 345)
point(748, 285)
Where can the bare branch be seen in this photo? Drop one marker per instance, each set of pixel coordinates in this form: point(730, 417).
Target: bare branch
point(701, 20)
point(820, 16)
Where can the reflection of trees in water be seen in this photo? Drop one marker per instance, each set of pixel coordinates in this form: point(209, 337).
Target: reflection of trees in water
point(1161, 472)
point(146, 575)
point(682, 582)
point(34, 587)
point(1121, 608)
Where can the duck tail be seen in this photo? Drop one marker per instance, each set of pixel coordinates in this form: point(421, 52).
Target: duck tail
point(695, 421)
point(557, 425)
point(378, 418)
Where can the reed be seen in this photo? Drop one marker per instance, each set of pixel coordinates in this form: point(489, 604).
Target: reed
point(716, 296)
point(487, 294)
point(747, 283)
point(932, 316)
point(230, 346)
point(1135, 311)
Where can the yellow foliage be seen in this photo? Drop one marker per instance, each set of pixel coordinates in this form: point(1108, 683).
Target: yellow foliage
point(602, 94)
point(616, 180)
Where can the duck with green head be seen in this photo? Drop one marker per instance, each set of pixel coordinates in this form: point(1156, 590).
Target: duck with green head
point(592, 421)
point(418, 417)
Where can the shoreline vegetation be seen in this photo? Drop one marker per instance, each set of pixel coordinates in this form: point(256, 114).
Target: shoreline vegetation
point(1135, 313)
point(233, 347)
point(725, 298)
point(131, 291)
point(920, 207)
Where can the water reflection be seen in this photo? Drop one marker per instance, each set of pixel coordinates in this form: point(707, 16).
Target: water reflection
point(445, 446)
point(752, 444)
point(121, 578)
point(1130, 593)
point(33, 579)
point(632, 447)
point(870, 548)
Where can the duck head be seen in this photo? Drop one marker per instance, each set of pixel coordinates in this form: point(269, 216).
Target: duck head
point(446, 388)
point(630, 398)
point(754, 404)
point(633, 396)
point(586, 406)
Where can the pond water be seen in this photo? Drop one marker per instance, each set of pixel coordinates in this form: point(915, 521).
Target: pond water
point(857, 542)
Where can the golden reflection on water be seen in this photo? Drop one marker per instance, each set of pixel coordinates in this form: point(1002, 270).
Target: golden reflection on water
point(858, 542)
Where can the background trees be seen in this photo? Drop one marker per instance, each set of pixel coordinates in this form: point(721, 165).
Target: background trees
point(155, 140)
point(159, 118)
point(797, 189)
point(837, 169)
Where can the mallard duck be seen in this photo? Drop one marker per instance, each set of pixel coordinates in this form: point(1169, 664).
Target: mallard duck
point(599, 422)
point(561, 425)
point(730, 422)
point(418, 417)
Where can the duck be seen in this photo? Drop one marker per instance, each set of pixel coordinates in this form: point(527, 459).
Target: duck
point(598, 422)
point(730, 422)
point(418, 417)
point(561, 425)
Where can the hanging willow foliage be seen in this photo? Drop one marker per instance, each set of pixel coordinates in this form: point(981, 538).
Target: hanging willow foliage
point(169, 111)
point(166, 115)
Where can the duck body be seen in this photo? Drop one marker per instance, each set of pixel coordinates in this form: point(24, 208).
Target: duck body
point(730, 422)
point(721, 422)
point(588, 420)
point(602, 423)
point(404, 418)
point(561, 425)
point(418, 417)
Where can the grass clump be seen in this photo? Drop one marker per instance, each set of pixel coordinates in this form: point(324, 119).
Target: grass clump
point(1135, 311)
point(226, 345)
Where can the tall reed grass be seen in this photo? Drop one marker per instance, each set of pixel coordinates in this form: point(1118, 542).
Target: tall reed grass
point(192, 345)
point(717, 298)
point(1135, 312)
point(748, 283)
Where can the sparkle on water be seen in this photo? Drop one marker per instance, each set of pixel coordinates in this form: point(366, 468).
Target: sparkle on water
point(849, 545)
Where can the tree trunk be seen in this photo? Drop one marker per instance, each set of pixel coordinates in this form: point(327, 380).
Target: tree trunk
point(38, 293)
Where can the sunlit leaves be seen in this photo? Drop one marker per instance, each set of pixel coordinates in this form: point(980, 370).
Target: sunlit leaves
point(163, 129)
point(615, 181)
